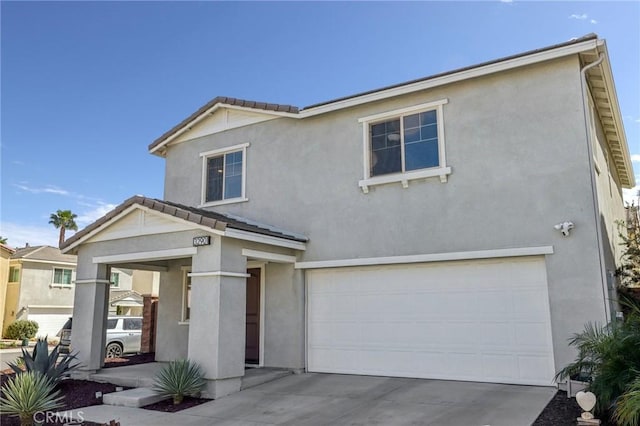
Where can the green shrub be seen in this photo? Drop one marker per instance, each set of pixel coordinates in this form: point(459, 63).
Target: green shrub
point(627, 412)
point(609, 355)
point(178, 379)
point(27, 394)
point(22, 329)
point(45, 363)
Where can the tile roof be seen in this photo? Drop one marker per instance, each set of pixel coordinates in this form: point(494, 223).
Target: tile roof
point(214, 220)
point(43, 253)
point(227, 101)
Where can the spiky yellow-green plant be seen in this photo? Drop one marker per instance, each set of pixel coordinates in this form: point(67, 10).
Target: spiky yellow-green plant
point(178, 379)
point(27, 394)
point(627, 411)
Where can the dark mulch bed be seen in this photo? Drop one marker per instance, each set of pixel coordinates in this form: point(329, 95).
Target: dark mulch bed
point(129, 360)
point(562, 411)
point(81, 393)
point(168, 407)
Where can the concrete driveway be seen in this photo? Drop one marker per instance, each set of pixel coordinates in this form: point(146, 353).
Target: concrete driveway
point(332, 399)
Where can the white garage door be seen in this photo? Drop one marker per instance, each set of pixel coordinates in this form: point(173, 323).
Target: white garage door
point(50, 320)
point(482, 321)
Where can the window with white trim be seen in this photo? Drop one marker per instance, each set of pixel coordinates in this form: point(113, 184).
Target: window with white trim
point(223, 175)
point(186, 295)
point(404, 144)
point(62, 276)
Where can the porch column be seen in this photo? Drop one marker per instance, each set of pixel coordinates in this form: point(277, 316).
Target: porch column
point(90, 309)
point(217, 319)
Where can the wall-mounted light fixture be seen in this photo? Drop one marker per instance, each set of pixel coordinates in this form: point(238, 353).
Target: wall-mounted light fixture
point(564, 227)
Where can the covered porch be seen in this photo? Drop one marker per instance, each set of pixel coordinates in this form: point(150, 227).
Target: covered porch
point(229, 295)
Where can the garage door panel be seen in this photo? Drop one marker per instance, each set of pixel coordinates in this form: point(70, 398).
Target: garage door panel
point(476, 320)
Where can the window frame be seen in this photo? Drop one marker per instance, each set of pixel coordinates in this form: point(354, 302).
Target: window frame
point(217, 153)
point(186, 283)
point(61, 285)
point(442, 170)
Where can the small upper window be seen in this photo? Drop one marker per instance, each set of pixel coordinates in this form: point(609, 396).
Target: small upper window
point(14, 274)
point(224, 175)
point(62, 276)
point(404, 144)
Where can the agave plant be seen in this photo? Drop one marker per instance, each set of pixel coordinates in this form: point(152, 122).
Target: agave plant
point(178, 379)
point(44, 362)
point(27, 394)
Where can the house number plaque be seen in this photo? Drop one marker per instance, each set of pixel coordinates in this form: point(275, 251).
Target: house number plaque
point(201, 241)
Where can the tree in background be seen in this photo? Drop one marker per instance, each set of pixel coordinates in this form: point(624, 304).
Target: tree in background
point(63, 220)
point(3, 240)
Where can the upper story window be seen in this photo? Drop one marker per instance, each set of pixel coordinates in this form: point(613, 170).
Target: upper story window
point(62, 276)
point(403, 145)
point(14, 274)
point(223, 175)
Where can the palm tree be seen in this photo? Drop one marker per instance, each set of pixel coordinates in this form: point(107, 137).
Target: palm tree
point(3, 240)
point(63, 219)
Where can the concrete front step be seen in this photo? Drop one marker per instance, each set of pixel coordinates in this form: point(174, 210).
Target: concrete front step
point(138, 397)
point(257, 376)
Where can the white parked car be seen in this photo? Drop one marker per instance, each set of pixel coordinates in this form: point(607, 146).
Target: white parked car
point(124, 335)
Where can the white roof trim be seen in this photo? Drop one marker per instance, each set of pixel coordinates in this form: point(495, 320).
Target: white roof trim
point(147, 255)
point(213, 109)
point(432, 257)
point(452, 78)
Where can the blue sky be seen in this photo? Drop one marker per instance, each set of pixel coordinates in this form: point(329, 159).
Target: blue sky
point(86, 86)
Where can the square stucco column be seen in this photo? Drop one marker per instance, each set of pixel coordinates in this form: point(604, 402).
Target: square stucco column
point(217, 320)
point(90, 309)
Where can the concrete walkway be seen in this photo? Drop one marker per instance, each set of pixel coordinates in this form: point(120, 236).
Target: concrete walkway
point(323, 399)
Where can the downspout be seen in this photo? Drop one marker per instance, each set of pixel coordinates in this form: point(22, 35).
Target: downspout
point(594, 191)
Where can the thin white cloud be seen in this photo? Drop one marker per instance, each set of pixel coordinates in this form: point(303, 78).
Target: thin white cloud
point(506, 1)
point(593, 21)
point(49, 189)
point(579, 17)
point(94, 214)
point(635, 158)
point(19, 235)
point(637, 120)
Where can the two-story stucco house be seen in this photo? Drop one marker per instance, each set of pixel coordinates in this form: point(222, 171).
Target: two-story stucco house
point(406, 231)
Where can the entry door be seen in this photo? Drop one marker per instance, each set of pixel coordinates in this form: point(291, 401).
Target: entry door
point(252, 347)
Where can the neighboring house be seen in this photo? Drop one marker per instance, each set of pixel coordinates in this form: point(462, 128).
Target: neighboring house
point(5, 254)
point(41, 284)
point(40, 288)
point(406, 231)
point(128, 288)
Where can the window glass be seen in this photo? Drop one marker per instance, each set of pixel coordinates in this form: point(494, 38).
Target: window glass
point(132, 324)
point(62, 276)
point(215, 178)
point(224, 177)
point(386, 153)
point(417, 137)
point(115, 279)
point(111, 324)
point(14, 274)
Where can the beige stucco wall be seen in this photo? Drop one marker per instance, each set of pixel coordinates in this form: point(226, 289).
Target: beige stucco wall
point(36, 287)
point(5, 254)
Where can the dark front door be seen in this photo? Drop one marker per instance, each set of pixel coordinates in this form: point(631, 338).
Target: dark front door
point(252, 347)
